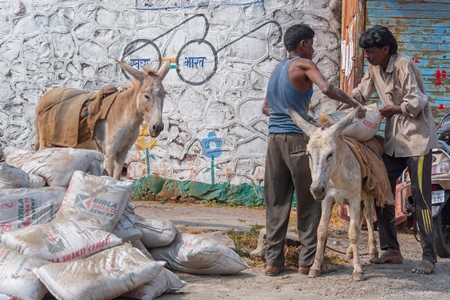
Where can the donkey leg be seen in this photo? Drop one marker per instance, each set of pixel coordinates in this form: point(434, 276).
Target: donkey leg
point(118, 164)
point(349, 253)
point(108, 161)
point(354, 233)
point(368, 214)
point(322, 233)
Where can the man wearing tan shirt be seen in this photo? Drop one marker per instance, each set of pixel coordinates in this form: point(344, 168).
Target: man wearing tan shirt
point(410, 134)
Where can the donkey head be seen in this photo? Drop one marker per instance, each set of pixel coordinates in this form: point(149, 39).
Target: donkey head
point(321, 149)
point(150, 95)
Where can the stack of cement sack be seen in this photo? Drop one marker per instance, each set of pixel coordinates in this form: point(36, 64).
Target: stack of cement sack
point(68, 232)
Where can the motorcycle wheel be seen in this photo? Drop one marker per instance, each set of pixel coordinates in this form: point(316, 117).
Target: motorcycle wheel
point(441, 228)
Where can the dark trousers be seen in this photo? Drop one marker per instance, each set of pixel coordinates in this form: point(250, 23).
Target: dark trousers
point(419, 168)
point(287, 169)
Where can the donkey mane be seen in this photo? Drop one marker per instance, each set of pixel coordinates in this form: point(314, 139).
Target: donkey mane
point(149, 70)
point(325, 121)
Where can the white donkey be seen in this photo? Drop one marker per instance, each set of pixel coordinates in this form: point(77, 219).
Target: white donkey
point(336, 178)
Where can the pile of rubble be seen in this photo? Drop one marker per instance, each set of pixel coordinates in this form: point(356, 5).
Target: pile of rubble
point(68, 232)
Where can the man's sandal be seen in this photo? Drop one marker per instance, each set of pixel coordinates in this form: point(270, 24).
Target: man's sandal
point(277, 271)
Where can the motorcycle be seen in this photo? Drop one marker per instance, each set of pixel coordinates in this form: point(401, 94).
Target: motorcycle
point(440, 179)
point(443, 129)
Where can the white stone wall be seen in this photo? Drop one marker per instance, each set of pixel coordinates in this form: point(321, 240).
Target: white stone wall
point(73, 43)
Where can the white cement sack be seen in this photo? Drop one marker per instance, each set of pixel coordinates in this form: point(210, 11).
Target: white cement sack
point(166, 282)
point(155, 232)
point(12, 177)
point(361, 129)
point(130, 207)
point(16, 277)
point(16, 157)
point(36, 181)
point(104, 275)
point(96, 167)
point(60, 241)
point(95, 197)
point(57, 165)
point(24, 207)
point(15, 178)
point(193, 254)
point(126, 230)
point(141, 247)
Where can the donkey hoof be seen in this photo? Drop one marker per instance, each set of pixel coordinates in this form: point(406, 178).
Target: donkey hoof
point(358, 276)
point(313, 273)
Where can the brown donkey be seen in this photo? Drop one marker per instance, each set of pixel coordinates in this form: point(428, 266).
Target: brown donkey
point(114, 122)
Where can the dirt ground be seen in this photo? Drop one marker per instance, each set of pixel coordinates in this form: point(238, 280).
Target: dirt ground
point(387, 281)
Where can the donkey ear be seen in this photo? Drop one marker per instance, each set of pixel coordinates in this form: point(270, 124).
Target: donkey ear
point(349, 119)
point(135, 73)
point(301, 123)
point(164, 70)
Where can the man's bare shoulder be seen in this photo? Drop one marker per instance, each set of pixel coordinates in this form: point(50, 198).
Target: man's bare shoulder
point(303, 63)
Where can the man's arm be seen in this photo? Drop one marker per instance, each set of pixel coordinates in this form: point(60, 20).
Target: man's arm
point(345, 105)
point(265, 108)
point(388, 110)
point(327, 88)
point(414, 98)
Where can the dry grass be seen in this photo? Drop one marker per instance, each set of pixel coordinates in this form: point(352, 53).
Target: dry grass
point(291, 253)
point(247, 241)
point(192, 230)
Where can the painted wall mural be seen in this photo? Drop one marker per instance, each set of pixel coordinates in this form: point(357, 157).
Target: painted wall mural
point(221, 53)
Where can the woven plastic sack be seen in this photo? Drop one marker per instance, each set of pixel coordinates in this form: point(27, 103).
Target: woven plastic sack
point(13, 178)
point(16, 157)
point(57, 165)
point(126, 230)
point(104, 275)
point(166, 282)
point(361, 129)
point(59, 241)
point(193, 254)
point(95, 197)
point(141, 247)
point(96, 167)
point(36, 181)
point(155, 232)
point(16, 277)
point(29, 206)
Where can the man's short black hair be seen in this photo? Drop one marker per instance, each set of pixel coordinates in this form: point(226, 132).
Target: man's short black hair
point(378, 36)
point(295, 34)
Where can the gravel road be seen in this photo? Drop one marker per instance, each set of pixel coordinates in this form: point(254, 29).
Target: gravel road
point(385, 281)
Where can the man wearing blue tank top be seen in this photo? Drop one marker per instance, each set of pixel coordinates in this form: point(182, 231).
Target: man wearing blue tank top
point(287, 165)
